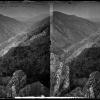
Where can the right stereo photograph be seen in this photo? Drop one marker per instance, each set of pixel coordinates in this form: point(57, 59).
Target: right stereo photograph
point(75, 49)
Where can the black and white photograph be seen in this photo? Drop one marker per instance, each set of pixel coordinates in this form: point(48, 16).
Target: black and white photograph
point(50, 49)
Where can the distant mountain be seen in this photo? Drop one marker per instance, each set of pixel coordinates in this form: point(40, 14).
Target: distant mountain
point(70, 29)
point(38, 23)
point(29, 52)
point(10, 27)
point(17, 38)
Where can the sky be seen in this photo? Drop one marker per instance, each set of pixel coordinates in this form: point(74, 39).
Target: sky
point(23, 11)
point(27, 10)
point(86, 9)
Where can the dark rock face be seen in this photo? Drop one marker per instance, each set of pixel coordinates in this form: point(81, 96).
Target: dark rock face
point(86, 63)
point(17, 81)
point(34, 89)
point(92, 87)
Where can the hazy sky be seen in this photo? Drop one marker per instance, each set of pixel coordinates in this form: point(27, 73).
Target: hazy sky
point(23, 11)
point(86, 9)
point(27, 10)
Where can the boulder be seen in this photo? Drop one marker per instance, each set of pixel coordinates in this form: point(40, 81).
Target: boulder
point(17, 81)
point(92, 87)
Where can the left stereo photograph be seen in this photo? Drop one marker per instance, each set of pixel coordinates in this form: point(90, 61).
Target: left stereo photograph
point(24, 49)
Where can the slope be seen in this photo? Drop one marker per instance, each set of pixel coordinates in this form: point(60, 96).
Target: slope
point(10, 27)
point(30, 54)
point(70, 29)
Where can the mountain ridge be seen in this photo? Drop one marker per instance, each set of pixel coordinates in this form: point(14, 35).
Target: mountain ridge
point(69, 29)
point(10, 27)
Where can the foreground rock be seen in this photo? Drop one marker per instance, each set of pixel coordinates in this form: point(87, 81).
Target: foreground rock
point(59, 76)
point(17, 81)
point(92, 87)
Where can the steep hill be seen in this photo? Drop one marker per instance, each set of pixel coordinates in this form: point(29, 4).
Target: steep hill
point(30, 53)
point(10, 27)
point(70, 29)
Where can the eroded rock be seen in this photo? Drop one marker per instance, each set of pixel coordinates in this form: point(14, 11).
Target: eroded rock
point(92, 87)
point(17, 81)
point(59, 75)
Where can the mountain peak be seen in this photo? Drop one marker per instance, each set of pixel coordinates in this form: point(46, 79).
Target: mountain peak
point(70, 29)
point(62, 13)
